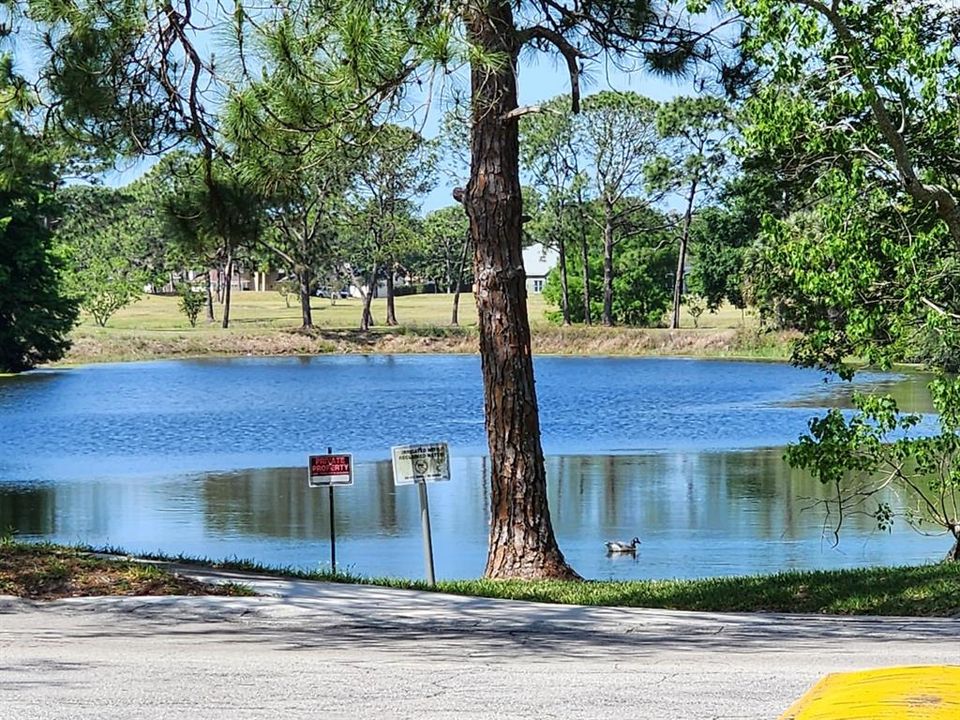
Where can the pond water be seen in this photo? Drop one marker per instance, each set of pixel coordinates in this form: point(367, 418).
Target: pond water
point(207, 457)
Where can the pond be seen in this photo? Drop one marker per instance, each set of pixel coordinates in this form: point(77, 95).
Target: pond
point(207, 457)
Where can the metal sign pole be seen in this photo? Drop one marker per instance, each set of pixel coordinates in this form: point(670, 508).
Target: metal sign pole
point(333, 536)
point(427, 539)
point(333, 529)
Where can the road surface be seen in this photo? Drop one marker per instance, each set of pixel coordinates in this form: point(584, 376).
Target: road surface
point(315, 650)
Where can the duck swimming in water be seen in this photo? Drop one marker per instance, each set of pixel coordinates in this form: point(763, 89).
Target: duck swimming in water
point(614, 546)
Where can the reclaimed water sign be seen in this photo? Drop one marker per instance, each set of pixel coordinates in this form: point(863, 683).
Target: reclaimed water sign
point(327, 470)
point(420, 463)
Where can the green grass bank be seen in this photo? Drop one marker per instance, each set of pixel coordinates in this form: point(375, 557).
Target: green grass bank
point(262, 325)
point(922, 591)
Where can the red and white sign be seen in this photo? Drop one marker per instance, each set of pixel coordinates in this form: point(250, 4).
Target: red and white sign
point(326, 470)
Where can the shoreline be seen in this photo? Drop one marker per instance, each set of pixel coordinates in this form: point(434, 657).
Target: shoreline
point(926, 590)
point(118, 345)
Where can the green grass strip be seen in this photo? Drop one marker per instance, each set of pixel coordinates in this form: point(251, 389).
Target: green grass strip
point(931, 590)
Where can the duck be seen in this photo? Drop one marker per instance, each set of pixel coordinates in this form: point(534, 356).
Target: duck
point(615, 546)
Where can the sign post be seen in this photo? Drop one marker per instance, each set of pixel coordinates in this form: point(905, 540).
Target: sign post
point(427, 537)
point(329, 471)
point(418, 465)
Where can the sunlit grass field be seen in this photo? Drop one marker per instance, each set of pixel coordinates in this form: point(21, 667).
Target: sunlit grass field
point(251, 310)
point(262, 324)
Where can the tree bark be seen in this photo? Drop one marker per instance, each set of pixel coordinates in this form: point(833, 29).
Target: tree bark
point(682, 256)
point(954, 554)
point(226, 291)
point(220, 271)
point(678, 281)
point(455, 315)
point(391, 305)
point(608, 270)
point(211, 318)
point(306, 311)
point(564, 294)
point(522, 542)
point(585, 258)
point(366, 319)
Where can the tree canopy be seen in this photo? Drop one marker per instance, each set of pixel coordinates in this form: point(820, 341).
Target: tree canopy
point(36, 312)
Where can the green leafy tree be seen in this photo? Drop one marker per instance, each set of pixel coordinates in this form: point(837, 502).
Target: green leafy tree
point(213, 211)
point(697, 131)
point(617, 134)
point(161, 259)
point(721, 235)
point(36, 312)
point(398, 169)
point(642, 276)
point(447, 244)
point(547, 142)
point(876, 450)
point(858, 94)
point(696, 306)
point(859, 97)
point(106, 253)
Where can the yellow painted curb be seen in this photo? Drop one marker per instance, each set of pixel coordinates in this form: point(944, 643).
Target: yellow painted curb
point(929, 692)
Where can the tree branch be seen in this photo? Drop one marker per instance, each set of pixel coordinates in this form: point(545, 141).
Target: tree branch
point(519, 112)
point(939, 310)
point(946, 204)
point(570, 52)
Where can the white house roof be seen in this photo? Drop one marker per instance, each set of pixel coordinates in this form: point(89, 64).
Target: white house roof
point(539, 260)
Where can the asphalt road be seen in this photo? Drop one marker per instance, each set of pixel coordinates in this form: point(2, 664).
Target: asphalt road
point(340, 651)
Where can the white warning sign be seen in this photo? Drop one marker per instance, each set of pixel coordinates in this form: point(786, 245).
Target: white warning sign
point(420, 463)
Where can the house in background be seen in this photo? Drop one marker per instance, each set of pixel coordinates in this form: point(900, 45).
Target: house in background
point(244, 280)
point(538, 261)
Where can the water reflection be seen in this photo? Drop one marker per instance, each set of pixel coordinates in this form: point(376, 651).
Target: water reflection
point(147, 419)
point(698, 514)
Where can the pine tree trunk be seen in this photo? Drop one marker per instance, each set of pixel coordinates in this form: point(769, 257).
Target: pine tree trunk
point(391, 305)
point(678, 282)
point(226, 291)
point(564, 294)
point(306, 312)
point(366, 319)
point(455, 316)
point(522, 542)
point(682, 257)
point(608, 272)
point(211, 318)
point(585, 258)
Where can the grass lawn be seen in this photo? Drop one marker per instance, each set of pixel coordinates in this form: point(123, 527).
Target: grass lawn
point(262, 325)
point(923, 591)
point(249, 310)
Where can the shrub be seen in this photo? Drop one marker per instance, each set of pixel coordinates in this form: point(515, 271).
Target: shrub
point(191, 302)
